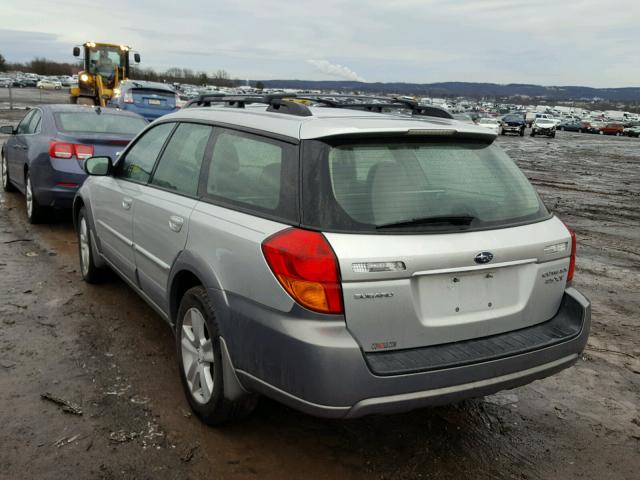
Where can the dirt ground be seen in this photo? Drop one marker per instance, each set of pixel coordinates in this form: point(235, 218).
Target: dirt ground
point(104, 350)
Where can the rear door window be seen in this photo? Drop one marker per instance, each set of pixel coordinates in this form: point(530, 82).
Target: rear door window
point(139, 160)
point(23, 126)
point(34, 123)
point(253, 173)
point(178, 169)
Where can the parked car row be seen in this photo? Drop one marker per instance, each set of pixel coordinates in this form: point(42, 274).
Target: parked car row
point(39, 81)
point(343, 274)
point(546, 125)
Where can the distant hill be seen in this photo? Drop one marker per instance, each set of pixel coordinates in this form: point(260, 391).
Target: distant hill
point(630, 94)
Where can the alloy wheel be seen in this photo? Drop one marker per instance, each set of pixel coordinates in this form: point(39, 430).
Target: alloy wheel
point(29, 198)
point(5, 174)
point(197, 355)
point(84, 247)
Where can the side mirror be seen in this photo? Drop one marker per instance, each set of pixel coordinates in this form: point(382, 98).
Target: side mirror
point(98, 166)
point(136, 57)
point(76, 51)
point(7, 130)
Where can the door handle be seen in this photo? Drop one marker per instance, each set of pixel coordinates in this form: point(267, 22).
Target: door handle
point(126, 203)
point(175, 223)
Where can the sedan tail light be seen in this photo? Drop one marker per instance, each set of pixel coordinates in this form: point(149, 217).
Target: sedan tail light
point(69, 150)
point(83, 151)
point(128, 97)
point(306, 266)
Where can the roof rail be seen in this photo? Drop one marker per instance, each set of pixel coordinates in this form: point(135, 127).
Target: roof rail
point(290, 103)
point(377, 104)
point(277, 102)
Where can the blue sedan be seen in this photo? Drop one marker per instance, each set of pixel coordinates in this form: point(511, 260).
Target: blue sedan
point(149, 99)
point(44, 155)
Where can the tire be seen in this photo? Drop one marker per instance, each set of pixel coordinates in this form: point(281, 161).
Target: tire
point(36, 213)
point(553, 135)
point(617, 134)
point(562, 129)
point(533, 134)
point(522, 132)
point(503, 132)
point(579, 130)
point(73, 100)
point(88, 270)
point(601, 132)
point(198, 351)
point(7, 186)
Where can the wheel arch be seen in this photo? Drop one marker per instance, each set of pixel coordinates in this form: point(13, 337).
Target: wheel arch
point(190, 270)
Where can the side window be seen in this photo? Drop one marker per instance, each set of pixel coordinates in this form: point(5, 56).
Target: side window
point(140, 159)
point(179, 166)
point(246, 169)
point(23, 126)
point(34, 123)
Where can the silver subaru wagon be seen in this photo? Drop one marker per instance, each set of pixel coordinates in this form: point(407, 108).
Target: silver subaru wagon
point(343, 258)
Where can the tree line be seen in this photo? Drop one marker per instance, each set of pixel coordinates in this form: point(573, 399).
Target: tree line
point(43, 66)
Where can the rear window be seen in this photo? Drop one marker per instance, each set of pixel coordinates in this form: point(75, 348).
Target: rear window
point(513, 118)
point(370, 186)
point(152, 91)
point(91, 122)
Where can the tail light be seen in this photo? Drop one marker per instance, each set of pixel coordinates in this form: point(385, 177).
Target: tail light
point(572, 260)
point(128, 97)
point(84, 151)
point(306, 266)
point(69, 150)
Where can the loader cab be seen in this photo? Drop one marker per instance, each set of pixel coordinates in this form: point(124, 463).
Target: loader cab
point(104, 67)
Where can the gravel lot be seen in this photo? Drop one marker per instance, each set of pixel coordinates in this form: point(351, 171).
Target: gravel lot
point(104, 350)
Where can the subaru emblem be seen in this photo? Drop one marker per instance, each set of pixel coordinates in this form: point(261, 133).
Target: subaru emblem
point(483, 257)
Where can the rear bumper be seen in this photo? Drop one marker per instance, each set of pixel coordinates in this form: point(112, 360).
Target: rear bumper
point(317, 367)
point(54, 188)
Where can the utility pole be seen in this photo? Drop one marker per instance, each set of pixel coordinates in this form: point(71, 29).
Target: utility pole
point(10, 97)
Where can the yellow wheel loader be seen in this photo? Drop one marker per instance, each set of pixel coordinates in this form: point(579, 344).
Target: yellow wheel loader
point(106, 65)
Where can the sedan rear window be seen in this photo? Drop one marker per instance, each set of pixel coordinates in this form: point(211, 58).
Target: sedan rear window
point(422, 185)
point(91, 122)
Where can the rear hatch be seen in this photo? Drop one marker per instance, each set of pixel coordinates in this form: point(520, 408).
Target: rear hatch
point(438, 240)
point(154, 98)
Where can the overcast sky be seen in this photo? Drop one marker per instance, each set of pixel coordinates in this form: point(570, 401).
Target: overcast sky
point(548, 42)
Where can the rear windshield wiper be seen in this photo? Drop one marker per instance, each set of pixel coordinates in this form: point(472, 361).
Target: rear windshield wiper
point(441, 220)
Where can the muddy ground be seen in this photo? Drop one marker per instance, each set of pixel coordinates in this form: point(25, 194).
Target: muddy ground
point(103, 349)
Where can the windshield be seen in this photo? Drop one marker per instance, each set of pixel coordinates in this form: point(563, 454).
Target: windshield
point(364, 185)
point(104, 60)
point(91, 122)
